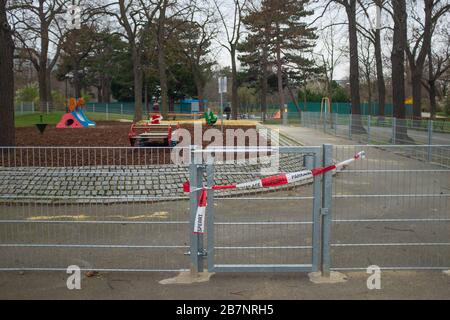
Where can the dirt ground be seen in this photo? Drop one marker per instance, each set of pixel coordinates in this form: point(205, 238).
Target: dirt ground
point(105, 134)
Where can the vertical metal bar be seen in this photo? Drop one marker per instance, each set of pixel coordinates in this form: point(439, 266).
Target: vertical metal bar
point(430, 140)
point(121, 108)
point(326, 210)
point(107, 111)
point(317, 204)
point(210, 215)
point(369, 119)
point(195, 173)
point(309, 162)
point(200, 246)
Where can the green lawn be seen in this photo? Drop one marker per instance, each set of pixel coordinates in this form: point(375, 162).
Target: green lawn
point(29, 120)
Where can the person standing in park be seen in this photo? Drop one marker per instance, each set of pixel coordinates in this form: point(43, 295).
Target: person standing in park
point(227, 112)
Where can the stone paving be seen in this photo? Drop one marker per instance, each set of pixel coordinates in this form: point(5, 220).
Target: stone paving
point(105, 184)
point(93, 184)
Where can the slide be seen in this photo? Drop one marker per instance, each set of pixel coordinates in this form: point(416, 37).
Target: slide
point(81, 117)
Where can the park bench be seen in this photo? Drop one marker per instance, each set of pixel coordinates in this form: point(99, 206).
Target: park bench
point(148, 134)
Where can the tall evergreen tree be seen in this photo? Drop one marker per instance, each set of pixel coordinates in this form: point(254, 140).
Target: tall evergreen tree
point(278, 29)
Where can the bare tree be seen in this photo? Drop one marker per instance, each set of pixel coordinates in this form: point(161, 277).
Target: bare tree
point(438, 66)
point(38, 27)
point(367, 59)
point(373, 34)
point(330, 55)
point(197, 36)
point(350, 9)
point(136, 17)
point(161, 45)
point(7, 136)
point(168, 11)
point(398, 68)
point(233, 36)
point(419, 45)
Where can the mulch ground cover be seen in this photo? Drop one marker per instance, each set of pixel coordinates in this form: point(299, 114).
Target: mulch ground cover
point(107, 144)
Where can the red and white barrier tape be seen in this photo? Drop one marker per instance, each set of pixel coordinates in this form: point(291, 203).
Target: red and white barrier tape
point(268, 182)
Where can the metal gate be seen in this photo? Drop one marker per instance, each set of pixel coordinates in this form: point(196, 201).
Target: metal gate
point(264, 231)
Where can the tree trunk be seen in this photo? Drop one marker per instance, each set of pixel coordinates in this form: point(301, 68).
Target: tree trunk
point(43, 76)
point(106, 89)
point(398, 68)
point(77, 83)
point(264, 80)
point(294, 100)
point(431, 85)
point(200, 96)
point(381, 85)
point(163, 81)
point(49, 90)
point(234, 89)
point(357, 126)
point(43, 92)
point(433, 102)
point(369, 94)
point(417, 74)
point(264, 96)
point(281, 97)
point(7, 128)
point(200, 88)
point(137, 72)
point(162, 60)
point(99, 92)
point(147, 109)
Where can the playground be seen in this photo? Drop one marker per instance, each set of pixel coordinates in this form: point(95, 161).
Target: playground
point(105, 134)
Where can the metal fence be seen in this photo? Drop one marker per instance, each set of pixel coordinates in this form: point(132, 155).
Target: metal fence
point(104, 209)
point(386, 131)
point(390, 210)
point(124, 209)
point(274, 231)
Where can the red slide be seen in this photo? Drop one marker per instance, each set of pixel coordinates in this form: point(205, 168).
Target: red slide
point(69, 121)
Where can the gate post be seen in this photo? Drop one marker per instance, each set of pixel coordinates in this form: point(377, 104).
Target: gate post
point(327, 198)
point(317, 161)
point(196, 183)
point(210, 214)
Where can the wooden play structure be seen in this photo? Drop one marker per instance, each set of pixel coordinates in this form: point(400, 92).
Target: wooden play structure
point(152, 132)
